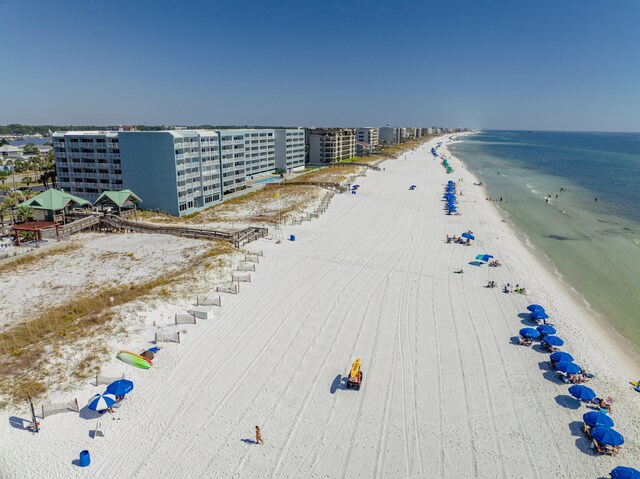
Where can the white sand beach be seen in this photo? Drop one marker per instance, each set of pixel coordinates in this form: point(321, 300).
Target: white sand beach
point(446, 394)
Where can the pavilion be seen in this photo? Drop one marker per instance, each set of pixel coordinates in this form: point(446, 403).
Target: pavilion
point(35, 227)
point(122, 200)
point(54, 204)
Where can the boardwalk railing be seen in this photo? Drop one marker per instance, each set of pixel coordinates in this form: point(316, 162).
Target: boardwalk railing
point(322, 184)
point(338, 164)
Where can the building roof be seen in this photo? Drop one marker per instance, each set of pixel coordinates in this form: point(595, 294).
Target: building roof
point(53, 200)
point(10, 149)
point(118, 198)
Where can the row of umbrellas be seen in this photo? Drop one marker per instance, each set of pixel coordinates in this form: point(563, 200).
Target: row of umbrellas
point(450, 197)
point(447, 166)
point(600, 423)
point(103, 401)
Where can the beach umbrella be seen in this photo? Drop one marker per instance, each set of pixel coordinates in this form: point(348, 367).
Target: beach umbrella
point(484, 257)
point(622, 472)
point(120, 387)
point(546, 329)
point(561, 356)
point(533, 307)
point(568, 367)
point(607, 436)
point(583, 393)
point(597, 419)
point(553, 341)
point(537, 314)
point(529, 333)
point(100, 402)
point(468, 236)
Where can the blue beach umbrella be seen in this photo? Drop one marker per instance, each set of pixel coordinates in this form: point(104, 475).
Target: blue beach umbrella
point(484, 257)
point(537, 314)
point(100, 402)
point(529, 333)
point(468, 235)
point(597, 419)
point(561, 356)
point(120, 387)
point(583, 393)
point(546, 330)
point(607, 436)
point(622, 472)
point(553, 341)
point(532, 307)
point(568, 367)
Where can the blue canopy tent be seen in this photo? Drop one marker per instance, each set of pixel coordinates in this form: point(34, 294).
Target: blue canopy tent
point(583, 393)
point(597, 419)
point(607, 436)
point(561, 356)
point(622, 472)
point(554, 341)
point(529, 333)
point(568, 367)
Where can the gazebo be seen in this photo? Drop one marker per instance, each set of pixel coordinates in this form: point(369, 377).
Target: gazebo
point(35, 227)
point(54, 203)
point(122, 200)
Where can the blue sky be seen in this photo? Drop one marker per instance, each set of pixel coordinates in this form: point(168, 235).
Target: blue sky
point(564, 65)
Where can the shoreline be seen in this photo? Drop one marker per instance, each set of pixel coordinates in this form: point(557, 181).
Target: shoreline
point(628, 352)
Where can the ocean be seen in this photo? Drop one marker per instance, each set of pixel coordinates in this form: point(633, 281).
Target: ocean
point(576, 197)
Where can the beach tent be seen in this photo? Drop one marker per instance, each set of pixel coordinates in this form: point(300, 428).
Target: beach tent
point(561, 356)
point(529, 333)
point(607, 436)
point(597, 419)
point(622, 472)
point(553, 341)
point(568, 367)
point(583, 393)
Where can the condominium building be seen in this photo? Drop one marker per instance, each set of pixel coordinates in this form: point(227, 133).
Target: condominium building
point(88, 162)
point(176, 171)
point(389, 135)
point(290, 149)
point(327, 145)
point(368, 135)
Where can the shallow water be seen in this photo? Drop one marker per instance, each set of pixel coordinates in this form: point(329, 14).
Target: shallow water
point(594, 245)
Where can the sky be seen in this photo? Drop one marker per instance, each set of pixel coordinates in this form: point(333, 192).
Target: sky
point(544, 65)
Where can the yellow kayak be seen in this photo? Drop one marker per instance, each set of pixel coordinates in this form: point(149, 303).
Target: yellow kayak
point(355, 368)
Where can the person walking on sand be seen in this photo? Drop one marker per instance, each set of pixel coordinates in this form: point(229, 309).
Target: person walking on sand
point(259, 436)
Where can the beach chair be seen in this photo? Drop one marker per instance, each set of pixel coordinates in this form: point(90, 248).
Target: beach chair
point(587, 430)
point(99, 430)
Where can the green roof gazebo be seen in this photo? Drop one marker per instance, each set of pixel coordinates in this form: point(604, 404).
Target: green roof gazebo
point(123, 200)
point(52, 201)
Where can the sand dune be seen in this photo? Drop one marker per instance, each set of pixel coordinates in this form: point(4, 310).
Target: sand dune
point(445, 393)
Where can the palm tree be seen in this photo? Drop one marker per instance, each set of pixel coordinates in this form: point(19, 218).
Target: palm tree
point(27, 180)
point(4, 209)
point(25, 212)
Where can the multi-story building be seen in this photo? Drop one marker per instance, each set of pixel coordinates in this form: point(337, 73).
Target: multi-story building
point(88, 162)
point(177, 171)
point(390, 136)
point(368, 135)
point(327, 145)
point(290, 149)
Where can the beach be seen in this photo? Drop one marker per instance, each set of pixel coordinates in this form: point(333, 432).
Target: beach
point(445, 394)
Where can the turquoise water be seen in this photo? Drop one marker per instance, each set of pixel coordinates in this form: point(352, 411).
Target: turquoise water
point(266, 180)
point(594, 245)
